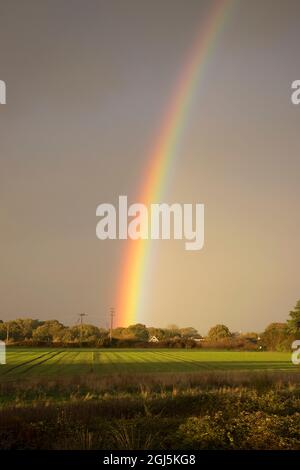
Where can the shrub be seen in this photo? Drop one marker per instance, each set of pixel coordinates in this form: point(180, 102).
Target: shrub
point(257, 430)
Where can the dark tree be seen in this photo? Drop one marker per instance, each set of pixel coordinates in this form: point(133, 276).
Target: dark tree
point(294, 321)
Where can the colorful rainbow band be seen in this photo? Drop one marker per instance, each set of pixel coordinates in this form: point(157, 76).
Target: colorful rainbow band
point(129, 288)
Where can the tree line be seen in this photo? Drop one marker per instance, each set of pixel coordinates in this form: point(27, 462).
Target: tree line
point(32, 332)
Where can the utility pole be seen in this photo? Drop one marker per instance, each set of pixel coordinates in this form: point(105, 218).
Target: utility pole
point(81, 315)
point(7, 332)
point(112, 314)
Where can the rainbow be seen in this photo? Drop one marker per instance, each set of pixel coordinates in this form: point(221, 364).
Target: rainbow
point(136, 254)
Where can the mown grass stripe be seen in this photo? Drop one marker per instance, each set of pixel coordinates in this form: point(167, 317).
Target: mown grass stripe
point(24, 363)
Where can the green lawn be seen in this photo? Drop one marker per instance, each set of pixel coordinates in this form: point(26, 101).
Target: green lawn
point(60, 362)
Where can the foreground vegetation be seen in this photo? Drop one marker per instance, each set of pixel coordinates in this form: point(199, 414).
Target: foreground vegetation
point(207, 410)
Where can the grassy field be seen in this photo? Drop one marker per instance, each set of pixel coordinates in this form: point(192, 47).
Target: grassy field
point(148, 399)
point(55, 362)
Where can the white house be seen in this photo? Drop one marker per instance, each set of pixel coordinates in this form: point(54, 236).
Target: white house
point(153, 339)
